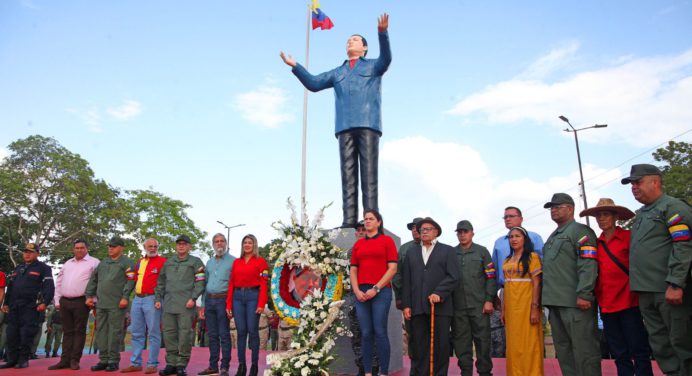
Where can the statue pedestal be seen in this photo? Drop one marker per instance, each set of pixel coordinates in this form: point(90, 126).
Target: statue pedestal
point(345, 359)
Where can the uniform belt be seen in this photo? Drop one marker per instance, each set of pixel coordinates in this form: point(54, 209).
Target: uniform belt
point(217, 296)
point(247, 288)
point(75, 298)
point(143, 295)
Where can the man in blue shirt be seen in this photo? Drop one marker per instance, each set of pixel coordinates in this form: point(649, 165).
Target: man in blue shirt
point(357, 91)
point(501, 249)
point(218, 273)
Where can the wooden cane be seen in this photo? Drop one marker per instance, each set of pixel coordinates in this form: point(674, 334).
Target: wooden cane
point(432, 338)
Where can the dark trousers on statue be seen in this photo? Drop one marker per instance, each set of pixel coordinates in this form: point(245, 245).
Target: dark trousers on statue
point(358, 150)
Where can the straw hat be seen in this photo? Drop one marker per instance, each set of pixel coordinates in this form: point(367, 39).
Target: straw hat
point(607, 204)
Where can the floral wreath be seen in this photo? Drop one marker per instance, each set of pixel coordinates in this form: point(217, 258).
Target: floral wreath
point(317, 318)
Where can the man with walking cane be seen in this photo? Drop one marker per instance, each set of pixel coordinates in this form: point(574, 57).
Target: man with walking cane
point(430, 275)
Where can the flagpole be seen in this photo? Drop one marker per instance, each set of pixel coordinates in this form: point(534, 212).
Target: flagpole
point(305, 122)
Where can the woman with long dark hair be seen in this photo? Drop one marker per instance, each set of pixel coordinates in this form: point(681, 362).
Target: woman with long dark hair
point(521, 308)
point(373, 264)
point(247, 297)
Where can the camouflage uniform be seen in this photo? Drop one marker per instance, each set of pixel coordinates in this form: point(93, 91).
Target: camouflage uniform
point(264, 329)
point(285, 336)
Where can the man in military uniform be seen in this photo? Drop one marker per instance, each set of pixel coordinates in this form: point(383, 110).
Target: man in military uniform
point(53, 331)
point(570, 269)
point(473, 303)
point(660, 257)
point(109, 290)
point(396, 284)
point(181, 282)
point(29, 291)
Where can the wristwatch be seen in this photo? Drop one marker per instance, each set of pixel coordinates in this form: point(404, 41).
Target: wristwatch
point(377, 289)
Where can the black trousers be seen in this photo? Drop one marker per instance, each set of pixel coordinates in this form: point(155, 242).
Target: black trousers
point(421, 342)
point(22, 326)
point(358, 150)
point(74, 315)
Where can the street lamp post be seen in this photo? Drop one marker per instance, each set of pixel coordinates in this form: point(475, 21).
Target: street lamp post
point(228, 232)
point(576, 141)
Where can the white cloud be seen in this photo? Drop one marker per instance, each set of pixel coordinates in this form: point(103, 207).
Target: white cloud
point(3, 153)
point(29, 4)
point(90, 117)
point(128, 110)
point(551, 62)
point(264, 106)
point(452, 182)
point(644, 100)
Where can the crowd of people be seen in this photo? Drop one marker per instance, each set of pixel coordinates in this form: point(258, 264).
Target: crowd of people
point(637, 279)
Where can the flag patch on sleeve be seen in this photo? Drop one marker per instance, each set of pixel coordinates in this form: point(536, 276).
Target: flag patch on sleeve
point(130, 274)
point(199, 277)
point(490, 271)
point(588, 251)
point(583, 240)
point(679, 233)
point(674, 220)
point(265, 274)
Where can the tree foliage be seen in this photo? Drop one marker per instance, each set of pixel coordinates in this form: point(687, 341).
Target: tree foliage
point(49, 195)
point(677, 172)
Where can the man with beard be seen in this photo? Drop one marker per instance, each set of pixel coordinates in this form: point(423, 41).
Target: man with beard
point(218, 273)
point(145, 319)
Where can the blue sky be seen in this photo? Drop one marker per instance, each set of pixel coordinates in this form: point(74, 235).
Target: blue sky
point(192, 100)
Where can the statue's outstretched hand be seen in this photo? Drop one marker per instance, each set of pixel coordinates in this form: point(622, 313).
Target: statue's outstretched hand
point(383, 23)
point(288, 59)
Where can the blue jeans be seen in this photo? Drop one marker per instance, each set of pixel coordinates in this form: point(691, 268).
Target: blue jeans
point(145, 319)
point(373, 317)
point(219, 332)
point(628, 341)
point(246, 321)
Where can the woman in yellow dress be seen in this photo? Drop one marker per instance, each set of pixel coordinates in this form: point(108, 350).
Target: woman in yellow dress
point(521, 308)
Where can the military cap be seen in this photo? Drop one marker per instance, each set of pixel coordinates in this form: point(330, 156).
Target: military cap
point(464, 225)
point(638, 171)
point(559, 199)
point(183, 238)
point(116, 241)
point(31, 247)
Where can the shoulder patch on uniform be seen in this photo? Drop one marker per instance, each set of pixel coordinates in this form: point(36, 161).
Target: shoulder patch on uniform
point(130, 274)
point(674, 220)
point(265, 274)
point(588, 251)
point(679, 233)
point(201, 269)
point(583, 240)
point(199, 276)
point(489, 270)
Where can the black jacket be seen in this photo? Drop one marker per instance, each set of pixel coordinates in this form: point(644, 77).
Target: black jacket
point(439, 276)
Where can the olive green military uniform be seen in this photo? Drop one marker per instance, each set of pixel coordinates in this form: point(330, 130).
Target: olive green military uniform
point(111, 281)
point(470, 325)
point(570, 269)
point(54, 330)
point(180, 280)
point(660, 255)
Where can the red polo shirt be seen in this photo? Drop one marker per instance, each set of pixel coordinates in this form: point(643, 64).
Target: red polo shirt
point(613, 285)
point(253, 273)
point(372, 257)
point(147, 271)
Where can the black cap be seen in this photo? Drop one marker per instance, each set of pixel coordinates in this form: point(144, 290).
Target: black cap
point(430, 221)
point(360, 224)
point(116, 241)
point(464, 225)
point(30, 247)
point(638, 171)
point(559, 199)
point(183, 238)
point(413, 223)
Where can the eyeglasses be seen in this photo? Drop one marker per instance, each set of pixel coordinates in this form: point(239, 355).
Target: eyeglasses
point(426, 229)
point(508, 216)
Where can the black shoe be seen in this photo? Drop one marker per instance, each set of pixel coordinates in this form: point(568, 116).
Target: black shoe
point(253, 370)
point(33, 356)
point(99, 367)
point(169, 370)
point(8, 365)
point(208, 372)
point(54, 355)
point(112, 367)
point(241, 370)
point(181, 371)
point(24, 364)
point(59, 365)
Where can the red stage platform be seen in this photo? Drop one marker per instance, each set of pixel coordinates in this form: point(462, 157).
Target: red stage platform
point(200, 359)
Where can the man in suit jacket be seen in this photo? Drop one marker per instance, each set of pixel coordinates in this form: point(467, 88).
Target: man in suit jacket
point(430, 275)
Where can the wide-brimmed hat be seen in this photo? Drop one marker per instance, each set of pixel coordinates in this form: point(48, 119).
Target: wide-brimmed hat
point(638, 171)
point(430, 221)
point(413, 223)
point(607, 204)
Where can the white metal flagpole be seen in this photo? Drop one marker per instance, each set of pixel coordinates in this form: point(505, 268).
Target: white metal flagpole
point(305, 122)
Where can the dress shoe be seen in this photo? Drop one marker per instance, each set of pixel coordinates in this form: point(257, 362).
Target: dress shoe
point(8, 365)
point(241, 370)
point(24, 364)
point(99, 367)
point(253, 370)
point(55, 355)
point(74, 365)
point(208, 372)
point(112, 367)
point(131, 369)
point(150, 370)
point(33, 356)
point(59, 365)
point(169, 370)
point(181, 371)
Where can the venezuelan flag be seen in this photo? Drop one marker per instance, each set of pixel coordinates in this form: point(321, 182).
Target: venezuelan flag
point(319, 19)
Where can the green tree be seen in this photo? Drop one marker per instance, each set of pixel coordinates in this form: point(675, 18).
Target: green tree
point(677, 172)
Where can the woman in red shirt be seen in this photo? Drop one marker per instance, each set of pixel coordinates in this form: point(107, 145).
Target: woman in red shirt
point(373, 264)
point(247, 296)
point(623, 326)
